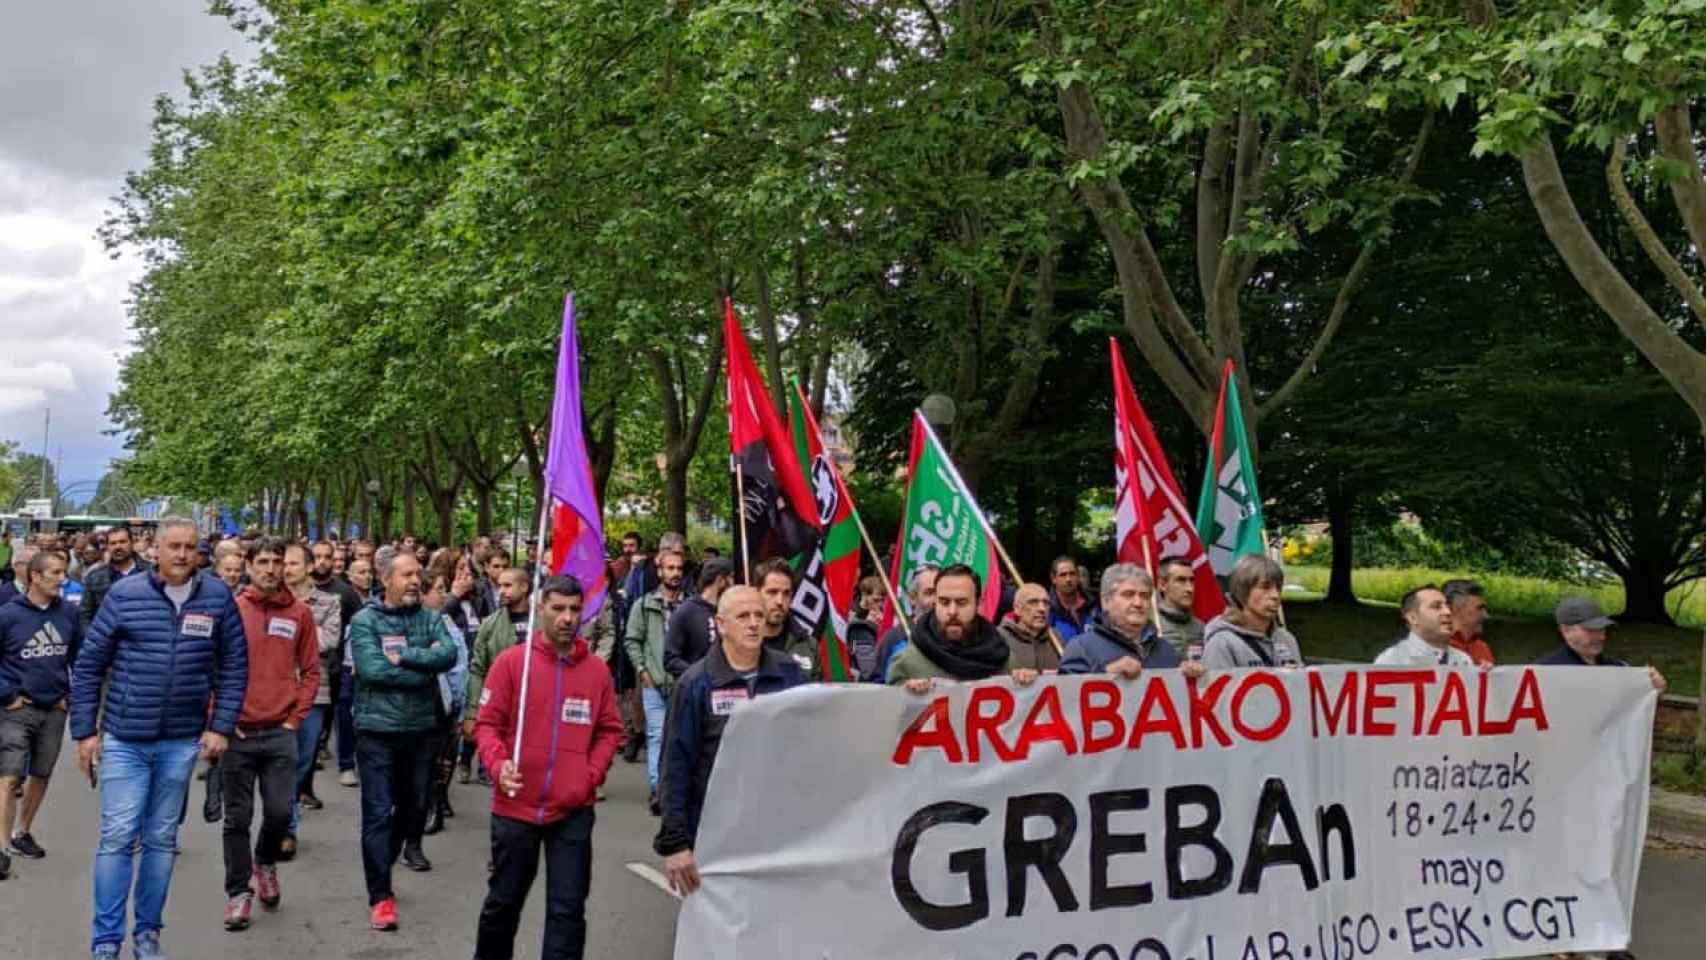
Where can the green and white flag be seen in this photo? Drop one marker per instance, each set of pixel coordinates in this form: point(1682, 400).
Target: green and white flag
point(1229, 512)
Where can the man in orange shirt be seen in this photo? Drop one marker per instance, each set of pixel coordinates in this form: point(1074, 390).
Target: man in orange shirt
point(1468, 613)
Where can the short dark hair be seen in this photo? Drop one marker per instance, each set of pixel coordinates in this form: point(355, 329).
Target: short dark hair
point(1413, 599)
point(1055, 565)
point(634, 535)
point(269, 544)
point(1172, 560)
point(776, 565)
point(564, 586)
point(307, 551)
point(960, 570)
point(1461, 589)
point(713, 568)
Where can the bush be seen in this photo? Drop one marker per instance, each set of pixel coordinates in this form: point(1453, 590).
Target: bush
point(1507, 595)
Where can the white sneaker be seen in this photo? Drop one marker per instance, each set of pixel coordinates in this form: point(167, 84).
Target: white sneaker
point(349, 779)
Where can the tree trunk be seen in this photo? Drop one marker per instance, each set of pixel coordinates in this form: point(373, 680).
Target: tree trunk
point(1065, 518)
point(322, 508)
point(387, 514)
point(675, 496)
point(409, 525)
point(1341, 503)
point(1025, 506)
point(1644, 593)
point(483, 495)
point(444, 505)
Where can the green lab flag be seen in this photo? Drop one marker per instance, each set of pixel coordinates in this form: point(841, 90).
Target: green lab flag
point(1229, 512)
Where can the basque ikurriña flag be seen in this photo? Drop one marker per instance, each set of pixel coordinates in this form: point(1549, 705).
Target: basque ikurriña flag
point(577, 525)
point(829, 573)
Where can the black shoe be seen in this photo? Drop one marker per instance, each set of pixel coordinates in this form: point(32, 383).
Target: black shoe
point(435, 824)
point(657, 808)
point(465, 774)
point(287, 849)
point(310, 801)
point(6, 866)
point(631, 749)
point(415, 858)
point(25, 846)
point(444, 809)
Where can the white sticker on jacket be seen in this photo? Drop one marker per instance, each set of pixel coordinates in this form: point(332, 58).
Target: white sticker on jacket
point(197, 625)
point(393, 644)
point(577, 710)
point(724, 702)
point(281, 627)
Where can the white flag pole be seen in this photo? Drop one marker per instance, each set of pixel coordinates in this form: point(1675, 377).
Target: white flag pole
point(527, 655)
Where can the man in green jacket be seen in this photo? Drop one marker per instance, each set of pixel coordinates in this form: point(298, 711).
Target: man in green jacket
point(398, 648)
point(506, 627)
point(648, 624)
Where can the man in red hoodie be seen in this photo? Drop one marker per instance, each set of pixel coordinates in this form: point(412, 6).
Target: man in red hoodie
point(284, 673)
point(570, 735)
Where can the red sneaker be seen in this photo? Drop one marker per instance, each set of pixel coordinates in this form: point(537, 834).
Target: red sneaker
point(237, 911)
point(266, 886)
point(385, 914)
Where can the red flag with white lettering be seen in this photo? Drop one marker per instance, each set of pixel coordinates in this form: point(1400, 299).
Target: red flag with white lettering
point(1152, 509)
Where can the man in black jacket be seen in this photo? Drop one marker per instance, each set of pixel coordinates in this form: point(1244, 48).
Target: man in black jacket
point(692, 628)
point(121, 563)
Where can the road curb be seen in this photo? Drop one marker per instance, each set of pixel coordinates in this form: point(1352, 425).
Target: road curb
point(1677, 818)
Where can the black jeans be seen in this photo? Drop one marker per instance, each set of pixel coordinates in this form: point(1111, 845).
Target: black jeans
point(568, 878)
point(396, 772)
point(267, 756)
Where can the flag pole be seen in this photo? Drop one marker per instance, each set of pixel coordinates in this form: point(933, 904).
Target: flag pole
point(977, 511)
point(740, 518)
point(527, 655)
point(1154, 579)
point(1268, 551)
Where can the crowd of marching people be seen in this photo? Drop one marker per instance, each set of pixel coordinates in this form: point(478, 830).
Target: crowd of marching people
point(255, 662)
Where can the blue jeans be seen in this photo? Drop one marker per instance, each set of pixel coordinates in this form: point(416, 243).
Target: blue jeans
point(307, 744)
point(656, 707)
point(346, 721)
point(396, 777)
point(143, 786)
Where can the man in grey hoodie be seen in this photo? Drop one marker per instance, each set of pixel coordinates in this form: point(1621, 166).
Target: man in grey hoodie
point(1249, 633)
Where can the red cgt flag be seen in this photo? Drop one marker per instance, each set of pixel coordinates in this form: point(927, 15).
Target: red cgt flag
point(1150, 518)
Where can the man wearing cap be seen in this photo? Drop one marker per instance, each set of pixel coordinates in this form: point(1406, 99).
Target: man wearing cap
point(1582, 624)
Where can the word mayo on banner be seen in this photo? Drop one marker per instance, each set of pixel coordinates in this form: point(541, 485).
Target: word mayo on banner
point(1330, 814)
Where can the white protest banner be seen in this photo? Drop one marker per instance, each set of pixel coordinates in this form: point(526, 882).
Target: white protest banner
point(1329, 814)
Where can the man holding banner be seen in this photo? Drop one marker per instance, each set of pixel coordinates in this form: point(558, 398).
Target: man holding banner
point(739, 669)
point(954, 641)
point(1123, 639)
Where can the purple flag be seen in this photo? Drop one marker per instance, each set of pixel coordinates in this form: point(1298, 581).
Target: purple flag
point(577, 528)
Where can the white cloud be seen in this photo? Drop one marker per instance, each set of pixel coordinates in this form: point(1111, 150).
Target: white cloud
point(76, 96)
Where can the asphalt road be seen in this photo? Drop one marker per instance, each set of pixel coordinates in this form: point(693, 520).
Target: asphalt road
point(44, 907)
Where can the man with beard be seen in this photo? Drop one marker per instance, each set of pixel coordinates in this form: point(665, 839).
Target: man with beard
point(323, 604)
point(284, 673)
point(953, 641)
point(399, 648)
point(504, 628)
point(692, 629)
point(775, 579)
point(121, 563)
point(1122, 639)
point(648, 624)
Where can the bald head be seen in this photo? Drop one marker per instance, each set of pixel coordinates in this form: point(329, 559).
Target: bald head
point(1030, 607)
point(740, 623)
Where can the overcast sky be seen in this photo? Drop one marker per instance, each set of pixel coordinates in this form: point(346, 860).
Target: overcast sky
point(77, 85)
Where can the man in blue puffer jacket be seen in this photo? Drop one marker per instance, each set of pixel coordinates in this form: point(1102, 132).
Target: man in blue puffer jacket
point(169, 641)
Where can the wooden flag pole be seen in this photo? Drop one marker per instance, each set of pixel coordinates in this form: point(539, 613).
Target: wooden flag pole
point(740, 518)
point(1268, 551)
point(1154, 582)
point(900, 612)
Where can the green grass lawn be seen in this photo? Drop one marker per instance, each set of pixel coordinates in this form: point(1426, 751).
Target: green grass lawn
point(1362, 631)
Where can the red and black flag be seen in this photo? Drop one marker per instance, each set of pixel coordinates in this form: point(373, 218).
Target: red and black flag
point(777, 509)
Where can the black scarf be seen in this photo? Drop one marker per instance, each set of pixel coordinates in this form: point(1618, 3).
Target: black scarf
point(981, 653)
